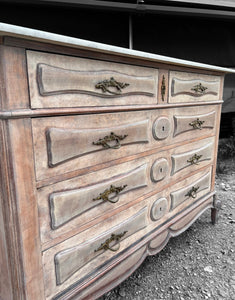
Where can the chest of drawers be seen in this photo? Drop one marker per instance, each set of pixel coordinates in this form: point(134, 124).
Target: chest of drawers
point(106, 153)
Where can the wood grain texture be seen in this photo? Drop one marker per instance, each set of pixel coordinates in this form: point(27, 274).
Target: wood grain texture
point(64, 81)
point(13, 73)
point(66, 205)
point(66, 144)
point(6, 291)
point(23, 180)
point(100, 83)
point(22, 242)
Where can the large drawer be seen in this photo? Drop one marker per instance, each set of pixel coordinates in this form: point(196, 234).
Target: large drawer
point(192, 87)
point(68, 207)
point(65, 81)
point(66, 144)
point(86, 254)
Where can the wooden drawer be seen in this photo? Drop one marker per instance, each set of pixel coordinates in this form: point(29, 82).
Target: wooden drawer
point(82, 255)
point(71, 206)
point(65, 81)
point(191, 87)
point(83, 143)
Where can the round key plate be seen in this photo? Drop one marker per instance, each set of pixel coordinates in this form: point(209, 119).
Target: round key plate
point(161, 128)
point(159, 169)
point(159, 209)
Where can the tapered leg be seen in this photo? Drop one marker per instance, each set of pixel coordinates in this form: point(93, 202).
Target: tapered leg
point(215, 209)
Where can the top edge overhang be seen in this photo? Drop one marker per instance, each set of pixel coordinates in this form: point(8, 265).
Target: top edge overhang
point(67, 41)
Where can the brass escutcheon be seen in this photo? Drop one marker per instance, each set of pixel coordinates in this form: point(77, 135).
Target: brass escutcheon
point(197, 124)
point(193, 192)
point(194, 159)
point(199, 88)
point(114, 238)
point(105, 84)
point(163, 87)
point(105, 196)
point(104, 142)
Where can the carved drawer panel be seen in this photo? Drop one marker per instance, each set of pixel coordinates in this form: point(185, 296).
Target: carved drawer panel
point(85, 254)
point(66, 144)
point(191, 192)
point(193, 122)
point(66, 205)
point(191, 87)
point(65, 81)
point(193, 157)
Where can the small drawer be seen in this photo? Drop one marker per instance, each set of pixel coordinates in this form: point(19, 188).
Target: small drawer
point(75, 143)
point(192, 157)
point(191, 87)
point(191, 192)
point(85, 254)
point(65, 81)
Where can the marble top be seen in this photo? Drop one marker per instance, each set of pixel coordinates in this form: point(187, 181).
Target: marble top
point(52, 38)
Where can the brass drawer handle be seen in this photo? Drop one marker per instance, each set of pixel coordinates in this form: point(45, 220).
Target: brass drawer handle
point(105, 84)
point(113, 190)
point(194, 159)
point(104, 142)
point(199, 88)
point(114, 238)
point(197, 124)
point(193, 192)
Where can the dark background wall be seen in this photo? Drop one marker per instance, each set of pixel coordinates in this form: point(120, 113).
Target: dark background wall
point(204, 38)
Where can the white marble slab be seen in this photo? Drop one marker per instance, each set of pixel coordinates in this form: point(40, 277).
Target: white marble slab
point(47, 37)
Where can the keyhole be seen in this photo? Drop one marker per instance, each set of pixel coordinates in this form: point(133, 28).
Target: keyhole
point(160, 208)
point(161, 170)
point(163, 128)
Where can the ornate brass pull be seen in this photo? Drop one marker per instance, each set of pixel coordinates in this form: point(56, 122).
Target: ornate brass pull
point(193, 192)
point(197, 124)
point(194, 159)
point(113, 190)
point(109, 138)
point(163, 87)
point(199, 88)
point(105, 84)
point(114, 238)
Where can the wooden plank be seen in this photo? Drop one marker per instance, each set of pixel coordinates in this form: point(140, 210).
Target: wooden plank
point(6, 291)
point(11, 219)
point(18, 182)
point(13, 70)
point(24, 196)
